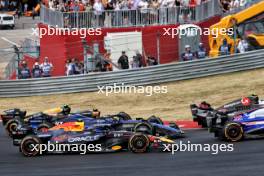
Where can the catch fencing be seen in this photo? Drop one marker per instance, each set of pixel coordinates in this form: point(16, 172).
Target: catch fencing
point(145, 76)
point(129, 17)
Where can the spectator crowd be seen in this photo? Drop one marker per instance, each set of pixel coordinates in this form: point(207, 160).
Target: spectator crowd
point(101, 5)
point(37, 71)
point(126, 11)
point(232, 5)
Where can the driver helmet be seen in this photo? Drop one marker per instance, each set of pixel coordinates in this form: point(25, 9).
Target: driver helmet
point(66, 109)
point(96, 113)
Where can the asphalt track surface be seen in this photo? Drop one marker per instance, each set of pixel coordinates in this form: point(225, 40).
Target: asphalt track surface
point(246, 159)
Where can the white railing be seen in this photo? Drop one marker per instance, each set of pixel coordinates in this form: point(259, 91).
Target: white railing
point(127, 18)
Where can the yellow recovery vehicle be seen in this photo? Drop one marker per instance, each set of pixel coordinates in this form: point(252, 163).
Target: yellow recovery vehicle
point(248, 23)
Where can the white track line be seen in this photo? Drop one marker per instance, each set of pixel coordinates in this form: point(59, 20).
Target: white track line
point(9, 41)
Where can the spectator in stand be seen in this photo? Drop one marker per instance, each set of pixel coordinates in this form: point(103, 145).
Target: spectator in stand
point(162, 12)
point(123, 61)
point(81, 6)
point(108, 63)
point(192, 5)
point(75, 7)
point(234, 4)
point(62, 7)
point(2, 5)
point(152, 61)
point(187, 55)
point(154, 5)
point(81, 67)
point(77, 68)
point(225, 5)
point(36, 71)
point(201, 52)
point(143, 6)
point(98, 12)
point(67, 67)
point(185, 10)
point(243, 45)
point(46, 67)
point(51, 5)
point(25, 7)
point(23, 71)
point(139, 59)
point(134, 63)
point(224, 48)
point(72, 67)
point(178, 5)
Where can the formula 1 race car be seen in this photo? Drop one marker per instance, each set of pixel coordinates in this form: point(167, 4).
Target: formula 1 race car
point(14, 117)
point(200, 112)
point(152, 126)
point(120, 121)
point(47, 119)
point(104, 141)
point(245, 124)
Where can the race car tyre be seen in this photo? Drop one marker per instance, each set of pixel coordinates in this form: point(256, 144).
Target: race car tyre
point(233, 131)
point(139, 143)
point(30, 146)
point(144, 128)
point(11, 126)
point(154, 119)
point(44, 127)
point(123, 116)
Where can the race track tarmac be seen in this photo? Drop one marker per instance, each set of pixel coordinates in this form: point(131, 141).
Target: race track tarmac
point(246, 159)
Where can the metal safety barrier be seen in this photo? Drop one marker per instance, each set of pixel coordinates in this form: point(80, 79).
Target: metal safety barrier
point(144, 76)
point(128, 17)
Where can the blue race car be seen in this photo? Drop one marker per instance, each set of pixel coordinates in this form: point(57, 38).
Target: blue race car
point(75, 136)
point(152, 126)
point(41, 121)
point(245, 124)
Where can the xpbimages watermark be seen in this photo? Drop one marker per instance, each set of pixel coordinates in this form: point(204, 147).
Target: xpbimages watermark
point(215, 32)
point(129, 89)
point(69, 148)
point(57, 31)
point(191, 147)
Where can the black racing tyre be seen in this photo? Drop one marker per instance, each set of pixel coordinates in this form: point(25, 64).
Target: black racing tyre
point(233, 131)
point(30, 146)
point(11, 126)
point(44, 127)
point(154, 119)
point(144, 128)
point(139, 143)
point(123, 116)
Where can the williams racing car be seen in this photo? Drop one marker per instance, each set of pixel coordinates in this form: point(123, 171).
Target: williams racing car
point(249, 123)
point(203, 110)
point(73, 135)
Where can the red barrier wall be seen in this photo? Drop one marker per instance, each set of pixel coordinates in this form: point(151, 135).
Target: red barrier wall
point(61, 48)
